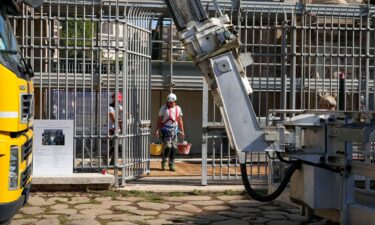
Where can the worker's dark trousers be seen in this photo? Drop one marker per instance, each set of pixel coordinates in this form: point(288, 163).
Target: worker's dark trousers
point(169, 152)
point(170, 146)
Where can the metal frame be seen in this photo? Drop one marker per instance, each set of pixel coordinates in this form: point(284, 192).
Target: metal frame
point(82, 52)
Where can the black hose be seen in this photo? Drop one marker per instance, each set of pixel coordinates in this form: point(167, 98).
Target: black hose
point(280, 157)
point(266, 198)
point(319, 165)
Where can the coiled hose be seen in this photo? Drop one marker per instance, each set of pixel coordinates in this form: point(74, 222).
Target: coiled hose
point(296, 164)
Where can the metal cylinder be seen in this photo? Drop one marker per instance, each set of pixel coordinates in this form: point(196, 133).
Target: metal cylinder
point(186, 11)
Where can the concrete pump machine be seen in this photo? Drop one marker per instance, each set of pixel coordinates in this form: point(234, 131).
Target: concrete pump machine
point(317, 145)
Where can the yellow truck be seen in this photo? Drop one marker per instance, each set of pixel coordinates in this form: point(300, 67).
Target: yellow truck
point(16, 114)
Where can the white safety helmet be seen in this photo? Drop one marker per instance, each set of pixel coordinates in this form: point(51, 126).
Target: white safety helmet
point(171, 97)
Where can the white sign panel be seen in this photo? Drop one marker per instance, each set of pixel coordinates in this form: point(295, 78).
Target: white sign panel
point(53, 147)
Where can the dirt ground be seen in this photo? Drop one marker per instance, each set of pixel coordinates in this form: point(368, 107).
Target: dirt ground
point(194, 168)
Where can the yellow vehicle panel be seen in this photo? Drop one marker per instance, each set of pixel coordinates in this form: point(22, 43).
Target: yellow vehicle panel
point(6, 142)
point(12, 87)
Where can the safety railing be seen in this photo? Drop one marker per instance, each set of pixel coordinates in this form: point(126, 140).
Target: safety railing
point(83, 53)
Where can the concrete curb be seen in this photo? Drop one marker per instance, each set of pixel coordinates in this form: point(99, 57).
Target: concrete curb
point(73, 182)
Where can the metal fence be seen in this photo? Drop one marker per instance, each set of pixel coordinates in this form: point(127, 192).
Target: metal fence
point(82, 53)
point(301, 52)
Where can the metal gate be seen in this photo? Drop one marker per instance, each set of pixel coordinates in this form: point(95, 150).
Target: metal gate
point(87, 55)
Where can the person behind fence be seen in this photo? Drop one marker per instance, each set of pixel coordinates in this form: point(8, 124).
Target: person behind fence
point(111, 123)
point(327, 102)
point(171, 125)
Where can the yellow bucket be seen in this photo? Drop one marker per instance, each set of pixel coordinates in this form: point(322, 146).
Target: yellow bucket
point(156, 149)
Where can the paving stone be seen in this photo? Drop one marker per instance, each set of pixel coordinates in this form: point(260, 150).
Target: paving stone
point(138, 218)
point(115, 217)
point(177, 213)
point(125, 208)
point(120, 223)
point(83, 222)
point(158, 222)
point(275, 217)
point(130, 199)
point(255, 219)
point(79, 217)
point(233, 214)
point(230, 222)
point(279, 212)
point(282, 222)
point(114, 203)
point(32, 210)
point(50, 216)
point(17, 217)
point(231, 197)
point(95, 212)
point(59, 206)
point(175, 203)
point(189, 208)
point(217, 208)
point(91, 206)
point(192, 221)
point(48, 222)
point(169, 217)
point(295, 211)
point(102, 199)
point(79, 200)
point(213, 217)
point(206, 203)
point(297, 217)
point(58, 199)
point(145, 212)
point(247, 210)
point(246, 203)
point(270, 208)
point(39, 201)
point(24, 222)
point(153, 206)
point(188, 198)
point(64, 211)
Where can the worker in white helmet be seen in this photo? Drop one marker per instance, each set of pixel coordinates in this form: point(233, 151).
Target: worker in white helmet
point(171, 125)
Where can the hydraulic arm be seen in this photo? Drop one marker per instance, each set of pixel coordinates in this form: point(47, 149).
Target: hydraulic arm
point(213, 44)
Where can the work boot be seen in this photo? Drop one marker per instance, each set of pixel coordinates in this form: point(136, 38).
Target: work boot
point(163, 165)
point(172, 167)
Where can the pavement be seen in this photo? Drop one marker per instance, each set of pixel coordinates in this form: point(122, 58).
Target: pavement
point(160, 198)
point(140, 207)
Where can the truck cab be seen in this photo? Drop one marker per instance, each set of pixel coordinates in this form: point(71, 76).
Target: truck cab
point(16, 114)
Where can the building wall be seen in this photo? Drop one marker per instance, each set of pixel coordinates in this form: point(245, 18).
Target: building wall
point(191, 105)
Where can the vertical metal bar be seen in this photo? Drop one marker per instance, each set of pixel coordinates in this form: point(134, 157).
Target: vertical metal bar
point(360, 72)
point(124, 103)
point(204, 132)
point(367, 61)
point(348, 183)
point(213, 158)
point(293, 92)
point(260, 74)
point(283, 63)
point(221, 158)
point(75, 83)
point(117, 90)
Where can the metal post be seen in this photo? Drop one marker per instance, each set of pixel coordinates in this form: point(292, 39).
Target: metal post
point(204, 136)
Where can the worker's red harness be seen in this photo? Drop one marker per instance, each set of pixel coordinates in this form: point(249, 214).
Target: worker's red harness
point(169, 110)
